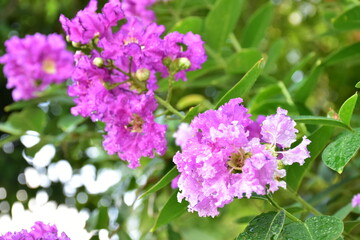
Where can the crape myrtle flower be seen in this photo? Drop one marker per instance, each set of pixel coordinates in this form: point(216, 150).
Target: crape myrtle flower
point(139, 9)
point(39, 231)
point(355, 202)
point(223, 159)
point(88, 23)
point(34, 62)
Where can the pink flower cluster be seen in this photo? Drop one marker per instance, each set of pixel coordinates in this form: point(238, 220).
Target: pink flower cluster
point(228, 155)
point(115, 80)
point(355, 202)
point(34, 62)
point(40, 231)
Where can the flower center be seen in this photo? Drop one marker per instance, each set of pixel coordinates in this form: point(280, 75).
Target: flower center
point(130, 40)
point(48, 66)
point(135, 125)
point(237, 160)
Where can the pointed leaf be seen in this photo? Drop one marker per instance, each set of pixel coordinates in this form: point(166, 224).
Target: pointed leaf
point(244, 85)
point(221, 21)
point(349, 20)
point(342, 150)
point(172, 210)
point(318, 120)
point(265, 226)
point(162, 182)
point(256, 26)
point(346, 110)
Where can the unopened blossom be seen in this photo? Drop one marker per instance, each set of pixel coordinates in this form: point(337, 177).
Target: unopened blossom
point(88, 24)
point(355, 202)
point(223, 160)
point(39, 231)
point(34, 62)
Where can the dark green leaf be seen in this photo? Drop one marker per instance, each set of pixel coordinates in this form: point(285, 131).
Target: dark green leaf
point(245, 219)
point(350, 225)
point(103, 218)
point(244, 85)
point(266, 226)
point(242, 61)
point(162, 183)
point(172, 210)
point(307, 85)
point(189, 24)
point(346, 110)
point(343, 54)
point(349, 20)
point(315, 228)
point(342, 150)
point(319, 139)
point(255, 28)
point(221, 21)
point(318, 120)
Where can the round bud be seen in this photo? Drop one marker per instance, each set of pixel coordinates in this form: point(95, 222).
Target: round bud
point(98, 61)
point(67, 38)
point(142, 74)
point(183, 63)
point(76, 44)
point(167, 61)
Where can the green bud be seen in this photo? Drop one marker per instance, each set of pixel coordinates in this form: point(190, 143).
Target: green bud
point(142, 74)
point(183, 63)
point(76, 44)
point(68, 38)
point(98, 61)
point(167, 61)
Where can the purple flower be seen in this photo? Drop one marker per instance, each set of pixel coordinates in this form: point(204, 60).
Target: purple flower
point(39, 231)
point(139, 9)
point(34, 62)
point(87, 23)
point(182, 135)
point(355, 202)
point(223, 159)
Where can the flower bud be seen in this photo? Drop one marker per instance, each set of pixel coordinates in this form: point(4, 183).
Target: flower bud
point(76, 44)
point(167, 61)
point(183, 63)
point(98, 61)
point(142, 74)
point(67, 38)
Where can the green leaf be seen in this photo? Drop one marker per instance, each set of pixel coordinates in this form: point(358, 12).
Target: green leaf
point(346, 110)
point(348, 20)
point(344, 211)
point(244, 85)
point(194, 111)
point(189, 100)
point(350, 225)
point(265, 226)
point(28, 119)
point(343, 54)
point(103, 218)
point(318, 120)
point(307, 85)
point(338, 153)
point(162, 182)
point(255, 28)
point(68, 123)
point(299, 66)
point(242, 61)
point(357, 85)
point(189, 24)
point(315, 228)
point(221, 21)
point(273, 55)
point(264, 94)
point(295, 173)
point(171, 210)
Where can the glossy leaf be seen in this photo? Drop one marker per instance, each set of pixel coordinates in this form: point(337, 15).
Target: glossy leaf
point(319, 139)
point(348, 20)
point(244, 85)
point(318, 120)
point(266, 226)
point(346, 110)
point(190, 24)
point(255, 29)
point(171, 210)
point(221, 21)
point(242, 61)
point(319, 227)
point(342, 150)
point(162, 182)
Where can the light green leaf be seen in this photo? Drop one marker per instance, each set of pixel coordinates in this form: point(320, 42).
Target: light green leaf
point(244, 85)
point(191, 113)
point(348, 20)
point(68, 123)
point(172, 210)
point(190, 100)
point(315, 228)
point(189, 24)
point(242, 61)
point(357, 85)
point(344, 211)
point(295, 173)
point(266, 226)
point(318, 120)
point(338, 153)
point(343, 54)
point(346, 110)
point(255, 28)
point(165, 180)
point(221, 21)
